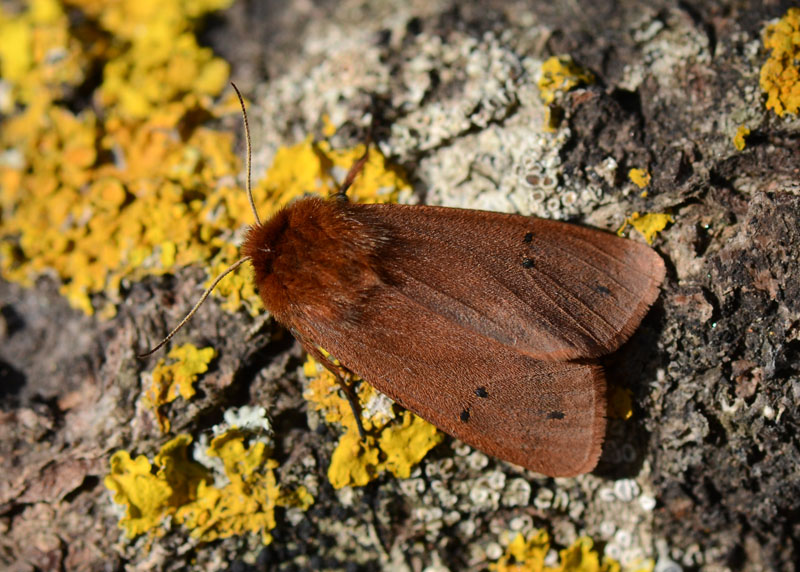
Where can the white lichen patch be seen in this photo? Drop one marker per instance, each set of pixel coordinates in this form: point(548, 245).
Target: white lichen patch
point(511, 168)
point(481, 78)
point(668, 42)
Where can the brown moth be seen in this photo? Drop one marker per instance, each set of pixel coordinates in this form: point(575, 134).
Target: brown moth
point(488, 325)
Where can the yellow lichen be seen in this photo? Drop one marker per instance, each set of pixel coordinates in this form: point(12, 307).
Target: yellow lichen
point(246, 503)
point(177, 379)
point(780, 74)
point(406, 443)
point(739, 139)
point(528, 555)
point(144, 495)
point(648, 224)
point(355, 461)
point(314, 167)
point(149, 498)
point(328, 127)
point(395, 442)
point(40, 58)
point(186, 491)
point(639, 177)
point(98, 201)
point(561, 74)
point(297, 498)
point(306, 167)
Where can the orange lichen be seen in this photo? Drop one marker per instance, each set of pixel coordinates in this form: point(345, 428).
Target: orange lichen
point(40, 58)
point(780, 74)
point(136, 185)
point(395, 441)
point(98, 201)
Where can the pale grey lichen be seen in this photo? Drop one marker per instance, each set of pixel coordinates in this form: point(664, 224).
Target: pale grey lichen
point(485, 72)
point(517, 493)
point(626, 489)
point(509, 168)
point(248, 418)
point(522, 523)
point(412, 487)
point(477, 460)
point(479, 142)
point(445, 497)
point(668, 41)
point(543, 499)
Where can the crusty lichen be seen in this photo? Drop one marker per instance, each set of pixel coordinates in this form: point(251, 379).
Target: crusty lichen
point(395, 441)
point(41, 60)
point(559, 75)
point(529, 554)
point(129, 191)
point(780, 74)
point(648, 224)
point(639, 177)
point(739, 140)
point(177, 378)
point(246, 503)
point(149, 497)
point(241, 500)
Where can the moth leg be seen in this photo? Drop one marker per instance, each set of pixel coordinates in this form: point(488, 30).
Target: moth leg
point(357, 167)
point(352, 398)
point(343, 378)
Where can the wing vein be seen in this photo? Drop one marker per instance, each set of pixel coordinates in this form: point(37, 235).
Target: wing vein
point(577, 300)
point(597, 268)
point(607, 254)
point(502, 285)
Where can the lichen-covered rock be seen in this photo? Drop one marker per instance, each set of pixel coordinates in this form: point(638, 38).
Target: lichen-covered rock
point(124, 200)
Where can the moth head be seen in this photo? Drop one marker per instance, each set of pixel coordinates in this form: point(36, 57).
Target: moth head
point(262, 245)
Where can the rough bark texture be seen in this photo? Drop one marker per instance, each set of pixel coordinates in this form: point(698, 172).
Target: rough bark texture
point(714, 370)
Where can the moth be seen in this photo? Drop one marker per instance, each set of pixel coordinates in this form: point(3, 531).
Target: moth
point(488, 325)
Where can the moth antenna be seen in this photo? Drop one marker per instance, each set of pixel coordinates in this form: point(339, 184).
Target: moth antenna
point(249, 154)
point(202, 299)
